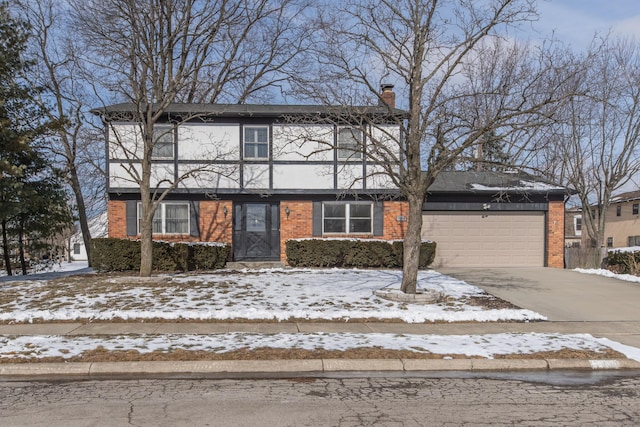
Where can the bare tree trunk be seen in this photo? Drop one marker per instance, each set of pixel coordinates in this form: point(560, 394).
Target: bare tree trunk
point(411, 246)
point(82, 212)
point(23, 262)
point(146, 224)
point(5, 249)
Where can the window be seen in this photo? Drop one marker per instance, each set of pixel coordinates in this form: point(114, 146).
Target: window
point(170, 218)
point(76, 248)
point(347, 218)
point(609, 242)
point(349, 144)
point(618, 210)
point(256, 142)
point(162, 142)
point(633, 241)
point(635, 209)
point(577, 225)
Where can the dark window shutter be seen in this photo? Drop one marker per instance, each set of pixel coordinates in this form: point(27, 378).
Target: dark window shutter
point(132, 217)
point(317, 218)
point(194, 221)
point(378, 218)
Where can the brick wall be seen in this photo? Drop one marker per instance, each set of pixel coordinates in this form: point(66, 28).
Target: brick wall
point(117, 219)
point(214, 225)
point(299, 224)
point(394, 229)
point(555, 235)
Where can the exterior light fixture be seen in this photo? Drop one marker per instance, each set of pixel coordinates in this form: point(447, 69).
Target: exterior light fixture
point(225, 211)
point(287, 211)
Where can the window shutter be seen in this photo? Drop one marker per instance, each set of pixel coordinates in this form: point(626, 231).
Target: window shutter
point(317, 219)
point(132, 217)
point(378, 218)
point(194, 219)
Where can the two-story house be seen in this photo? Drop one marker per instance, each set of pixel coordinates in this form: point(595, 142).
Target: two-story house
point(622, 220)
point(254, 176)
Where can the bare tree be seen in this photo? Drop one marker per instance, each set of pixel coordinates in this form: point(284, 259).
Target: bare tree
point(65, 101)
point(460, 80)
point(154, 53)
point(599, 135)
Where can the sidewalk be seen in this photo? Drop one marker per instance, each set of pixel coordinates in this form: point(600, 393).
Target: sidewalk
point(624, 332)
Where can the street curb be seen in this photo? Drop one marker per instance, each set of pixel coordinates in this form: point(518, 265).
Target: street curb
point(298, 366)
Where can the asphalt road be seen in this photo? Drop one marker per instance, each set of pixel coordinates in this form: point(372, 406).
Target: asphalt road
point(365, 401)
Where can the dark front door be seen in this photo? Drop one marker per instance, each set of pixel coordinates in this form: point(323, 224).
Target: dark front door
point(256, 231)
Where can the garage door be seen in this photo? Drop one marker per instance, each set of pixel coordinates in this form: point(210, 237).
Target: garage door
point(486, 239)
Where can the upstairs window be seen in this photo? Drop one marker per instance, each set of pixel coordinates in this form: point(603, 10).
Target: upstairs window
point(169, 218)
point(618, 210)
point(256, 142)
point(350, 143)
point(162, 142)
point(635, 209)
point(577, 222)
point(347, 218)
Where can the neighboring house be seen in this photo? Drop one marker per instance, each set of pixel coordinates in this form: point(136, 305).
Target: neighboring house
point(269, 173)
point(97, 227)
point(573, 236)
point(622, 221)
point(491, 219)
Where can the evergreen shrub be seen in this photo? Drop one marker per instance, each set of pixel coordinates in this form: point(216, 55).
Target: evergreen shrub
point(352, 253)
point(109, 254)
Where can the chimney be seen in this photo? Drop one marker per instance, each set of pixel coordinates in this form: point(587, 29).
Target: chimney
point(387, 95)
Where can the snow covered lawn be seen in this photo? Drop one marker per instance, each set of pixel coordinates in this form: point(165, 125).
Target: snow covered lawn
point(487, 346)
point(287, 294)
point(275, 294)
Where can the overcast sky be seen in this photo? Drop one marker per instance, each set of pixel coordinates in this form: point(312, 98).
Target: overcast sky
point(576, 21)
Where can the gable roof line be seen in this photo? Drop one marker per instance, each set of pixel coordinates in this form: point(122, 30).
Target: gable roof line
point(256, 110)
point(493, 182)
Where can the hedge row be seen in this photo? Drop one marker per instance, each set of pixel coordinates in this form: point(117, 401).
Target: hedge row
point(352, 253)
point(111, 254)
point(623, 262)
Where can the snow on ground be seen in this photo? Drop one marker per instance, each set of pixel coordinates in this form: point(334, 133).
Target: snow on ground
point(607, 273)
point(486, 346)
point(280, 294)
point(264, 294)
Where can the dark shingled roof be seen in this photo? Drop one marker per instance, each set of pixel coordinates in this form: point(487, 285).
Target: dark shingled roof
point(492, 182)
point(625, 197)
point(253, 110)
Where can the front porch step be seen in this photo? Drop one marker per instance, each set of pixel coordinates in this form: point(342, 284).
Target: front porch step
point(239, 265)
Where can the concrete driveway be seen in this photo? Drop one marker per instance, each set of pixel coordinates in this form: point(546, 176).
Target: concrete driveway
point(561, 295)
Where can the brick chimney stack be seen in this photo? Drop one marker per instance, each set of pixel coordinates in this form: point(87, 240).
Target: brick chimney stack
point(388, 95)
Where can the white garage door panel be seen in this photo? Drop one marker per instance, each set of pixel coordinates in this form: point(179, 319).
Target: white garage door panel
point(486, 239)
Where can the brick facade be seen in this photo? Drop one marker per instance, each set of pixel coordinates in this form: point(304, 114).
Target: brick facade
point(216, 226)
point(117, 219)
point(299, 224)
point(555, 235)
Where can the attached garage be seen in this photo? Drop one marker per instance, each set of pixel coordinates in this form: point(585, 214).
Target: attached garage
point(486, 239)
point(494, 219)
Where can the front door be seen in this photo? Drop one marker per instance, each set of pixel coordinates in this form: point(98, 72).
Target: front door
point(256, 231)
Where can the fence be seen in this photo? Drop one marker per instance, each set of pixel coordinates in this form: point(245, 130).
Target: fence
point(582, 258)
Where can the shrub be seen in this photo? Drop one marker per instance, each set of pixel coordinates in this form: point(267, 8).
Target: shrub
point(109, 254)
point(210, 257)
point(623, 262)
point(352, 253)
